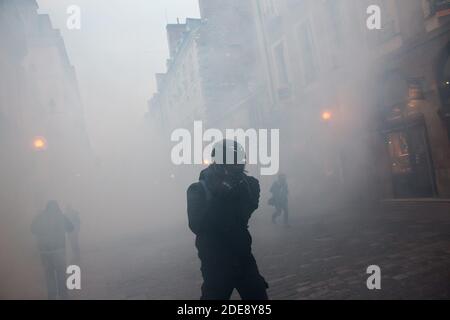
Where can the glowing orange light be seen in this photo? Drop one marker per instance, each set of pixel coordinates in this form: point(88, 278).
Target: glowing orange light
point(326, 115)
point(206, 162)
point(39, 143)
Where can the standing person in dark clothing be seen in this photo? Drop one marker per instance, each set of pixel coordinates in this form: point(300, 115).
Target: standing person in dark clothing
point(50, 228)
point(279, 199)
point(219, 207)
point(74, 237)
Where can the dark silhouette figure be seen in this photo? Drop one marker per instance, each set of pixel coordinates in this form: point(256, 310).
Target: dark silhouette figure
point(279, 199)
point(74, 237)
point(219, 207)
point(50, 228)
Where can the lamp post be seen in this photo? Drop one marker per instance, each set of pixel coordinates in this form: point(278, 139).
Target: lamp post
point(39, 143)
point(326, 116)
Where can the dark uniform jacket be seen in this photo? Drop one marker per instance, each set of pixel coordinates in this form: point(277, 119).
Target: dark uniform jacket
point(279, 194)
point(219, 208)
point(50, 229)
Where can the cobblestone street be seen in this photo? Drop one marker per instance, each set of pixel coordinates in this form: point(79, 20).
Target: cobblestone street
point(323, 255)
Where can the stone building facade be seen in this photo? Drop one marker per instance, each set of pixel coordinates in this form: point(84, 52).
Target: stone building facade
point(213, 72)
point(364, 111)
point(40, 99)
point(179, 97)
point(45, 151)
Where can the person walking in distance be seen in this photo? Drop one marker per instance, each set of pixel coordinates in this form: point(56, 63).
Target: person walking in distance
point(50, 227)
point(74, 236)
point(279, 199)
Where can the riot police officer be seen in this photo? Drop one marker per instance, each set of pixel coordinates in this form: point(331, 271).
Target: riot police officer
point(219, 207)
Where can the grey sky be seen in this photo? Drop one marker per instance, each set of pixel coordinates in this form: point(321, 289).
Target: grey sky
point(120, 46)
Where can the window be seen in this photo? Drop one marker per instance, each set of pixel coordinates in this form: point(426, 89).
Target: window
point(280, 64)
point(269, 8)
point(307, 53)
point(395, 89)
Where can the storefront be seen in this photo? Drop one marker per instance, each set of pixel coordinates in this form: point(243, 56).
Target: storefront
point(410, 158)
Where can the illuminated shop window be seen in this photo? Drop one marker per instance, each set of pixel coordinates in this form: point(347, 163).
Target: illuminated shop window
point(399, 153)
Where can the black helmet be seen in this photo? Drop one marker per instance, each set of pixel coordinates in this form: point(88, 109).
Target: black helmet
point(230, 154)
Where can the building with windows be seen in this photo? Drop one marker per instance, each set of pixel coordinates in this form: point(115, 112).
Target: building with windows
point(412, 107)
point(179, 97)
point(45, 147)
point(45, 151)
point(213, 75)
point(213, 70)
point(364, 111)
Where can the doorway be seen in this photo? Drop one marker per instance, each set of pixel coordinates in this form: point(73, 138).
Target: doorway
point(410, 160)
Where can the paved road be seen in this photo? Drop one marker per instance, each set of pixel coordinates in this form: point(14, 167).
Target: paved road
point(323, 255)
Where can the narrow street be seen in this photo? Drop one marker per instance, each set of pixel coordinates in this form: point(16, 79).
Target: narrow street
point(323, 255)
point(112, 111)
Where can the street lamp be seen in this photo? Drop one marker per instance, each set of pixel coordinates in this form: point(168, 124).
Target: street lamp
point(326, 116)
point(39, 143)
